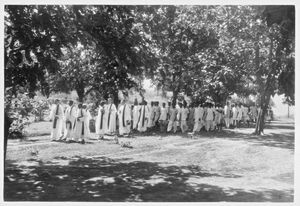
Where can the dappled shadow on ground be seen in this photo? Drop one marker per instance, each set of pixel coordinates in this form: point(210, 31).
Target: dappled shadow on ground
point(283, 140)
point(104, 179)
point(280, 126)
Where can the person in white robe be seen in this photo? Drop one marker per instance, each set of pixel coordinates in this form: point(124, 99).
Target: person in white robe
point(234, 115)
point(210, 116)
point(156, 113)
point(100, 121)
point(87, 118)
point(183, 117)
point(136, 114)
point(254, 113)
point(124, 114)
point(218, 117)
point(198, 115)
point(169, 110)
point(240, 114)
point(214, 124)
point(70, 118)
point(57, 117)
point(163, 118)
point(227, 111)
point(151, 115)
point(111, 114)
point(172, 124)
point(80, 126)
point(143, 117)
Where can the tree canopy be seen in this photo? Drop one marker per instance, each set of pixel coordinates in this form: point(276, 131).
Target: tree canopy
point(201, 51)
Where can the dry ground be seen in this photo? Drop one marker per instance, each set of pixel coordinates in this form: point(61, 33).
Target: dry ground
point(232, 165)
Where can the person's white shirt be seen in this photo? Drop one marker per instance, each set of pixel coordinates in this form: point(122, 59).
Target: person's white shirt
point(234, 113)
point(184, 113)
point(163, 114)
point(227, 111)
point(210, 114)
point(240, 113)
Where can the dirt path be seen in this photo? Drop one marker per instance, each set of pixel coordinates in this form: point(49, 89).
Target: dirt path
point(227, 166)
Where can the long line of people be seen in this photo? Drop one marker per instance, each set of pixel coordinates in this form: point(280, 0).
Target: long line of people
point(72, 124)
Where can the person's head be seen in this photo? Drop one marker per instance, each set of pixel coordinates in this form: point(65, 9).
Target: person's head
point(123, 101)
point(145, 102)
point(84, 106)
point(135, 101)
point(110, 100)
point(228, 103)
point(180, 104)
point(71, 103)
point(163, 104)
point(157, 103)
point(233, 105)
point(102, 103)
point(169, 104)
point(152, 103)
point(79, 105)
point(56, 101)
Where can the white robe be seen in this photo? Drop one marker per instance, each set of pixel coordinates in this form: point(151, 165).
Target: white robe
point(124, 114)
point(70, 117)
point(240, 113)
point(172, 124)
point(87, 119)
point(234, 113)
point(183, 122)
point(136, 114)
point(157, 113)
point(57, 116)
point(143, 118)
point(198, 117)
point(81, 126)
point(100, 122)
point(151, 116)
point(110, 117)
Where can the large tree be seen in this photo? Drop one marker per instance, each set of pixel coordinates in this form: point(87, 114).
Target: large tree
point(34, 37)
point(178, 40)
point(110, 58)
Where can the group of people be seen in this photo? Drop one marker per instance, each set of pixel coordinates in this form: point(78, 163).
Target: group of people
point(72, 123)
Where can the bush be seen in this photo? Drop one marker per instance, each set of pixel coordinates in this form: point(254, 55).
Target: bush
point(18, 109)
point(40, 108)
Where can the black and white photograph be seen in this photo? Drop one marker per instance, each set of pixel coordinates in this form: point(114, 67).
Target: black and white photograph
point(159, 103)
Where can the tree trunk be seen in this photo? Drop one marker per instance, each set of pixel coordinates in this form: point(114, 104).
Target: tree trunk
point(80, 91)
point(259, 128)
point(115, 97)
point(7, 123)
point(266, 94)
point(175, 95)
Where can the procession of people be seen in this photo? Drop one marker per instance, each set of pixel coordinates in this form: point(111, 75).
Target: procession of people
point(72, 124)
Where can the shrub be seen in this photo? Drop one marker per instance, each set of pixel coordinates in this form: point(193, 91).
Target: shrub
point(18, 108)
point(40, 109)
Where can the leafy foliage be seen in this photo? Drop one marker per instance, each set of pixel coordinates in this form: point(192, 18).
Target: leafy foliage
point(201, 51)
point(18, 109)
point(34, 36)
